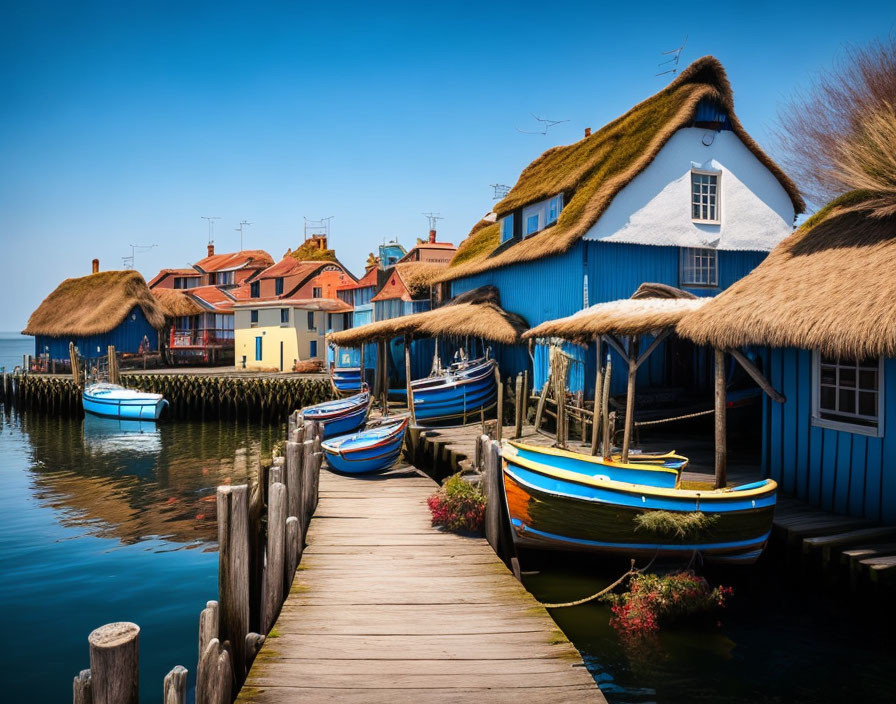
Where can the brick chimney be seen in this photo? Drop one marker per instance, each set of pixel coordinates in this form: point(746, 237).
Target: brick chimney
point(96, 266)
point(587, 131)
point(211, 249)
point(432, 236)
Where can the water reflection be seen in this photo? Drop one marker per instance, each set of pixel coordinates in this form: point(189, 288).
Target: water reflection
point(135, 480)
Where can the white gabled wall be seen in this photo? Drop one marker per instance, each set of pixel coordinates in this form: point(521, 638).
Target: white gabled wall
point(655, 208)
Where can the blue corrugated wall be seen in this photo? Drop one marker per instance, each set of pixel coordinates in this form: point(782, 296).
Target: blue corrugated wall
point(555, 287)
point(836, 470)
point(126, 338)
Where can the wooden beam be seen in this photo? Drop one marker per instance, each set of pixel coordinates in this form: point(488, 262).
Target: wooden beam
point(630, 397)
point(605, 409)
point(757, 376)
point(407, 378)
point(614, 342)
point(361, 368)
point(652, 347)
point(598, 394)
point(721, 432)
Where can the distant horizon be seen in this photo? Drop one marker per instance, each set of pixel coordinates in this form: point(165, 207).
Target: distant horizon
point(124, 125)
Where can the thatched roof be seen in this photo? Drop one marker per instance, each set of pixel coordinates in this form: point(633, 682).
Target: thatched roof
point(652, 308)
point(419, 276)
point(593, 170)
point(830, 286)
point(94, 304)
point(175, 303)
point(473, 314)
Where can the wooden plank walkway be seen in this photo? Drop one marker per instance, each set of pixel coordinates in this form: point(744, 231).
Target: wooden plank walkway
point(385, 608)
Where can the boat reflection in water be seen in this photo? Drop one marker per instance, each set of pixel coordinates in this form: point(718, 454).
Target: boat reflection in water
point(115, 436)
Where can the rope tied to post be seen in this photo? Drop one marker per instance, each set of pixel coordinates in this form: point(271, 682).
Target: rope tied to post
point(632, 571)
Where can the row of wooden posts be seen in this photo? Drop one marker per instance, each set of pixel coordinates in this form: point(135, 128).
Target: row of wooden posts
point(261, 532)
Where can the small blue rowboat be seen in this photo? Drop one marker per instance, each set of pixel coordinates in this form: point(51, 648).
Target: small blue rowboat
point(346, 379)
point(341, 416)
point(371, 450)
point(558, 500)
point(455, 396)
point(467, 369)
point(116, 401)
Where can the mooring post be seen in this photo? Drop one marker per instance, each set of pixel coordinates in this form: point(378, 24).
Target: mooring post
point(273, 596)
point(407, 377)
point(721, 421)
point(598, 401)
point(233, 572)
point(607, 443)
point(115, 663)
point(500, 405)
point(492, 505)
point(518, 408)
point(214, 676)
point(630, 396)
point(293, 529)
point(174, 688)
point(81, 688)
point(307, 501)
point(293, 477)
point(208, 625)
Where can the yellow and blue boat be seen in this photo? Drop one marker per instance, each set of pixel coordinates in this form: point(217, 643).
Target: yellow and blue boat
point(561, 500)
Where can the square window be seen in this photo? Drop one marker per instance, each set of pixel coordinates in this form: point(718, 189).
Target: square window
point(317, 292)
point(532, 224)
point(846, 394)
point(698, 267)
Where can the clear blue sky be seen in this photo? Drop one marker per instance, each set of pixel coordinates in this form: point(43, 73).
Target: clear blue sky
point(124, 123)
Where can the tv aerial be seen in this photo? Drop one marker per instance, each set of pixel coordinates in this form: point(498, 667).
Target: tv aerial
point(674, 55)
point(500, 191)
point(433, 218)
point(239, 229)
point(128, 262)
point(318, 227)
point(545, 123)
point(211, 226)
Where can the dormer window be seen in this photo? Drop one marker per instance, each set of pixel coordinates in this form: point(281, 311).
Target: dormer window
point(507, 228)
point(705, 205)
point(555, 205)
point(532, 223)
point(538, 216)
point(254, 289)
point(278, 286)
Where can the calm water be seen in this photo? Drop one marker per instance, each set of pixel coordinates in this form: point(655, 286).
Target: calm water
point(774, 642)
point(12, 347)
point(102, 521)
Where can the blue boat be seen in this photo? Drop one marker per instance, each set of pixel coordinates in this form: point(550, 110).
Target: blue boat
point(456, 395)
point(341, 416)
point(372, 450)
point(559, 500)
point(346, 380)
point(115, 401)
point(458, 370)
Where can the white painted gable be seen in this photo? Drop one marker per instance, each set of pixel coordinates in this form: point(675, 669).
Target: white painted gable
point(655, 208)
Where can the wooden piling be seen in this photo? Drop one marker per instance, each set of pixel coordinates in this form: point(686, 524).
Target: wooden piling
point(273, 596)
point(407, 376)
point(518, 407)
point(721, 421)
point(598, 397)
point(214, 676)
point(82, 692)
point(233, 572)
point(607, 443)
point(174, 688)
point(500, 407)
point(115, 663)
point(630, 396)
point(307, 501)
point(293, 531)
point(294, 462)
point(208, 625)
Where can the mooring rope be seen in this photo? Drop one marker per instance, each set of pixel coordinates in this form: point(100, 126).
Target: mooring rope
point(639, 424)
point(578, 602)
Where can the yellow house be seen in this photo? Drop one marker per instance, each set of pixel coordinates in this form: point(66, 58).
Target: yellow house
point(275, 334)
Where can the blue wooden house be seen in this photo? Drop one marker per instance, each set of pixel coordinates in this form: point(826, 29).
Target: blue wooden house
point(819, 313)
point(105, 308)
point(674, 191)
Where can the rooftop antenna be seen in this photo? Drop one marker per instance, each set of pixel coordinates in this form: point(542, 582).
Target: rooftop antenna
point(546, 123)
point(211, 226)
point(433, 218)
point(128, 262)
point(318, 227)
point(500, 191)
point(240, 230)
point(674, 55)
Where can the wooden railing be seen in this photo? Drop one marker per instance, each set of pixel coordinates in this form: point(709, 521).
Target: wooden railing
point(257, 560)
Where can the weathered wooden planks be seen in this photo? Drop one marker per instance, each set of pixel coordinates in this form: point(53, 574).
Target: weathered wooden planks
point(384, 608)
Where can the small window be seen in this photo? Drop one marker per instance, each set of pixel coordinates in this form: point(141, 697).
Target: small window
point(312, 349)
point(317, 292)
point(254, 290)
point(507, 228)
point(847, 394)
point(253, 317)
point(284, 316)
point(705, 197)
point(554, 208)
point(699, 267)
point(311, 320)
point(224, 278)
point(532, 224)
point(258, 348)
point(278, 286)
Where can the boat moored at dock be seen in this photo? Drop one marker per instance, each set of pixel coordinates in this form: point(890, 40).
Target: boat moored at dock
point(372, 450)
point(341, 416)
point(114, 401)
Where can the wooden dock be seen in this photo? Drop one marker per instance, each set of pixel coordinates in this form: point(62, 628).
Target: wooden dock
point(385, 608)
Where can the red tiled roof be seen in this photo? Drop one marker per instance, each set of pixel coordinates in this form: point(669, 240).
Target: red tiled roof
point(174, 272)
point(369, 279)
point(330, 305)
point(254, 258)
point(289, 266)
point(215, 297)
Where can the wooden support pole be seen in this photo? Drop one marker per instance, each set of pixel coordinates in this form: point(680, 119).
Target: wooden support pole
point(293, 530)
point(81, 688)
point(384, 378)
point(525, 396)
point(233, 572)
point(757, 376)
point(489, 484)
point(294, 461)
point(361, 369)
point(307, 500)
point(630, 396)
point(214, 676)
point(407, 378)
point(273, 595)
point(174, 688)
point(607, 444)
point(208, 625)
point(115, 663)
point(500, 409)
point(76, 370)
point(721, 403)
point(518, 408)
point(598, 402)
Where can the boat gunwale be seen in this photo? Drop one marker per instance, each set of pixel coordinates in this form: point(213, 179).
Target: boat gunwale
point(599, 461)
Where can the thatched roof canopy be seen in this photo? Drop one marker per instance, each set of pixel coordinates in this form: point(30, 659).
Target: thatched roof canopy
point(592, 171)
point(652, 308)
point(473, 314)
point(175, 303)
point(94, 304)
point(830, 286)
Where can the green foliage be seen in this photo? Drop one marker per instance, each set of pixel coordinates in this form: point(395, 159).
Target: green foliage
point(308, 251)
point(458, 506)
point(676, 525)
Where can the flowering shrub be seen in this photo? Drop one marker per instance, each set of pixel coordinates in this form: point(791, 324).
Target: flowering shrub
point(458, 506)
point(654, 599)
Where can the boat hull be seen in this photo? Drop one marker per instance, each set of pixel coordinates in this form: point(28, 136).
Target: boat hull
point(339, 417)
point(377, 456)
point(128, 409)
point(552, 513)
point(456, 397)
point(346, 379)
